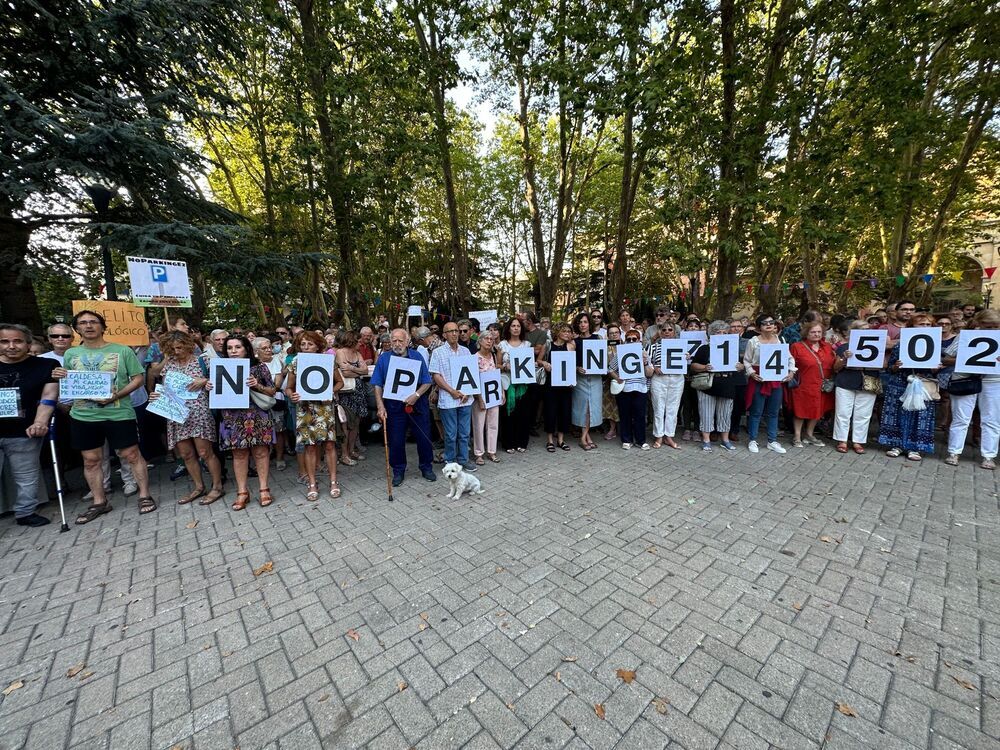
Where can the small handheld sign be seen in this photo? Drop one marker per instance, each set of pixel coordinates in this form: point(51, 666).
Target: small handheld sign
point(10, 403)
point(674, 356)
point(563, 369)
point(168, 405)
point(630, 363)
point(178, 382)
point(724, 352)
point(595, 356)
point(867, 348)
point(86, 385)
point(775, 362)
point(314, 376)
point(464, 374)
point(920, 348)
point(522, 366)
point(694, 340)
point(229, 383)
point(401, 378)
point(492, 392)
point(978, 352)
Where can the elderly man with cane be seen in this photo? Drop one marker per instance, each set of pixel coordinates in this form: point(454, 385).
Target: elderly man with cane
point(413, 411)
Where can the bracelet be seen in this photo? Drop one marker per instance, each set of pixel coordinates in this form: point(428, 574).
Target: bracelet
point(48, 401)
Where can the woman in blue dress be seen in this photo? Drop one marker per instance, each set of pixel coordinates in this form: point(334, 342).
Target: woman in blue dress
point(589, 390)
point(901, 430)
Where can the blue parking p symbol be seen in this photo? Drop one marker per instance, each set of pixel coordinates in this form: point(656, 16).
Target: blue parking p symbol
point(159, 274)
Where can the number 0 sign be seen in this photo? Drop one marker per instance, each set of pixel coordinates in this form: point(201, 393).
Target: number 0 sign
point(774, 362)
point(920, 348)
point(978, 353)
point(867, 348)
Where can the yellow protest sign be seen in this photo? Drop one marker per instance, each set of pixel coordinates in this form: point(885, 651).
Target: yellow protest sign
point(126, 322)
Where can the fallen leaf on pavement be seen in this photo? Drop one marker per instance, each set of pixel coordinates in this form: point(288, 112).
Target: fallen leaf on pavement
point(75, 669)
point(558, 676)
point(964, 683)
point(569, 658)
point(424, 615)
point(16, 685)
point(192, 524)
point(401, 686)
point(845, 709)
point(625, 675)
point(599, 710)
point(267, 567)
point(423, 626)
point(827, 539)
point(660, 704)
point(85, 675)
point(354, 635)
point(324, 697)
point(797, 607)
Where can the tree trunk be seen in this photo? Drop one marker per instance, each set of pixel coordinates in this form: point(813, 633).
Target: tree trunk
point(729, 245)
point(18, 303)
point(545, 291)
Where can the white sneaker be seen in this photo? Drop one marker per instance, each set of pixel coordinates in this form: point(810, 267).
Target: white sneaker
point(131, 488)
point(776, 447)
point(752, 447)
point(645, 446)
point(626, 446)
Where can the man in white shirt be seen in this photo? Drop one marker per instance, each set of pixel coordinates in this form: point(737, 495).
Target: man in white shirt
point(454, 406)
point(218, 338)
point(420, 342)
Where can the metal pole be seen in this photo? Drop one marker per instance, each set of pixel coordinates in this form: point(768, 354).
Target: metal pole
point(109, 271)
point(55, 472)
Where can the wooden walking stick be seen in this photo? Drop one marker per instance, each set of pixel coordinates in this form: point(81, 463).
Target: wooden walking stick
point(385, 442)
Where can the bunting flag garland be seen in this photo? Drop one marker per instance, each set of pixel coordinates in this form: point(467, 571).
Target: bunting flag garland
point(765, 287)
point(900, 280)
point(927, 278)
point(989, 272)
point(873, 283)
point(849, 284)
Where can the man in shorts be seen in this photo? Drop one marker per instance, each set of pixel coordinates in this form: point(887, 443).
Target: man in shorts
point(112, 419)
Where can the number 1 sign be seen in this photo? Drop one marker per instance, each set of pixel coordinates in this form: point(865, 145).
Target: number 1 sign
point(978, 352)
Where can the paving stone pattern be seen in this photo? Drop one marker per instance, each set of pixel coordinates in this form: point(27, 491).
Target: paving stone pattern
point(752, 596)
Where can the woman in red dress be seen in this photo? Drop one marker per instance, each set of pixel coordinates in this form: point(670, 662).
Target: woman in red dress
point(809, 403)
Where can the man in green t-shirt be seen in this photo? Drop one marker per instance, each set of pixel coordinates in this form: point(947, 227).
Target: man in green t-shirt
point(112, 419)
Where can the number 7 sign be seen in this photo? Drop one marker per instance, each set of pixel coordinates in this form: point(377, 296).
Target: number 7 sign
point(867, 348)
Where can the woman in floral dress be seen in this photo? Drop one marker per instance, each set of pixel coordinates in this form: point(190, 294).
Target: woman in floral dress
point(316, 421)
point(251, 430)
point(193, 438)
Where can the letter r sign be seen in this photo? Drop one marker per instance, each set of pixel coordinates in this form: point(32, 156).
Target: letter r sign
point(159, 274)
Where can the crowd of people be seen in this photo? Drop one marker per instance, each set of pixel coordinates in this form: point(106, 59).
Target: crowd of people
point(711, 409)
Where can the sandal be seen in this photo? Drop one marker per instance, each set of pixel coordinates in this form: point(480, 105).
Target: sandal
point(334, 489)
point(658, 443)
point(348, 461)
point(563, 446)
point(510, 451)
point(672, 444)
point(522, 450)
point(551, 448)
point(194, 495)
point(212, 496)
point(146, 505)
point(242, 498)
point(493, 458)
point(913, 456)
point(479, 461)
point(93, 512)
point(313, 493)
point(894, 453)
point(952, 459)
point(989, 464)
point(266, 498)
point(841, 447)
point(858, 448)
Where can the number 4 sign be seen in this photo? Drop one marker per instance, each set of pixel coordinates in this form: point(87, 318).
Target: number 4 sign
point(775, 361)
point(867, 348)
point(978, 352)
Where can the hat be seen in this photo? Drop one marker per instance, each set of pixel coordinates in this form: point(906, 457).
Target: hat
point(423, 332)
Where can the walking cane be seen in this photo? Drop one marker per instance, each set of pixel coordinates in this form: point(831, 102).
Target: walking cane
point(385, 442)
point(55, 473)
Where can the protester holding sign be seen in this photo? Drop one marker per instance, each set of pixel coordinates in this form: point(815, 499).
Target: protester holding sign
point(557, 399)
point(764, 397)
point(631, 368)
point(28, 395)
point(486, 419)
point(901, 429)
point(814, 398)
point(971, 390)
point(609, 404)
point(515, 415)
point(193, 438)
point(854, 398)
point(587, 393)
point(316, 420)
point(401, 382)
point(96, 420)
point(715, 403)
point(250, 430)
point(454, 406)
point(669, 357)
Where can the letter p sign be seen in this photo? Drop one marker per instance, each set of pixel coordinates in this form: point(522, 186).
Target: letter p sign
point(159, 274)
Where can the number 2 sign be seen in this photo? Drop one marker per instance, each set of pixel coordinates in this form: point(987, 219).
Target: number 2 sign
point(867, 348)
point(978, 353)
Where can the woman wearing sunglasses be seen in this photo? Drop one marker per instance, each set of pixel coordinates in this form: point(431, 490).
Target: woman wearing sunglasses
point(764, 399)
point(632, 397)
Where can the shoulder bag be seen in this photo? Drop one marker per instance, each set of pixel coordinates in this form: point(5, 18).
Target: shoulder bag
point(969, 385)
point(702, 381)
point(827, 385)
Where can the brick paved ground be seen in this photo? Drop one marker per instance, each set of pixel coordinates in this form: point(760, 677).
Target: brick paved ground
point(749, 595)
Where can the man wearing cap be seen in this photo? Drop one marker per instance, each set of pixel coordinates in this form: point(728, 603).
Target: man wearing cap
point(28, 395)
point(399, 415)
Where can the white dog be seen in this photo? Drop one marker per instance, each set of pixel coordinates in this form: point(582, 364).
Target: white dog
point(461, 481)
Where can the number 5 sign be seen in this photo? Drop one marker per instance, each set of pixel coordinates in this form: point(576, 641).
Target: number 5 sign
point(775, 361)
point(920, 348)
point(867, 348)
point(978, 353)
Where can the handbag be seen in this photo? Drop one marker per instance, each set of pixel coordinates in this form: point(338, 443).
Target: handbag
point(872, 384)
point(967, 386)
point(702, 381)
point(349, 383)
point(262, 400)
point(828, 384)
point(616, 387)
point(932, 388)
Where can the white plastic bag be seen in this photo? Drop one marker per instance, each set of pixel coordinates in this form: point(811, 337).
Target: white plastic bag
point(915, 397)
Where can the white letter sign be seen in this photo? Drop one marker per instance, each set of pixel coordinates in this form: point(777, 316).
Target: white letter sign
point(674, 356)
point(492, 392)
point(464, 374)
point(522, 365)
point(694, 339)
point(978, 353)
point(229, 383)
point(563, 369)
point(630, 363)
point(775, 361)
point(724, 352)
point(314, 376)
point(595, 356)
point(86, 384)
point(920, 348)
point(401, 378)
point(867, 348)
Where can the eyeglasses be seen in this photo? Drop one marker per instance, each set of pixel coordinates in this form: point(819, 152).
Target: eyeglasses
point(660, 315)
point(906, 309)
point(463, 330)
point(767, 323)
point(631, 341)
point(60, 335)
